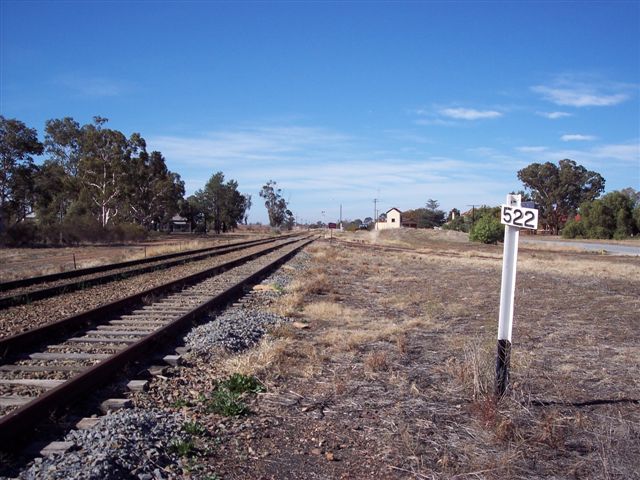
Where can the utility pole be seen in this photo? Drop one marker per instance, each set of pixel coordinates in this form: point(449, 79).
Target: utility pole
point(473, 213)
point(340, 217)
point(375, 213)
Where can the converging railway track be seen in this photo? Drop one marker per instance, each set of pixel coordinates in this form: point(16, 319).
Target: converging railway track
point(47, 368)
point(26, 290)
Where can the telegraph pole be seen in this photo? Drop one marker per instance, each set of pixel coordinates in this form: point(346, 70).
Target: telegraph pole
point(473, 213)
point(375, 213)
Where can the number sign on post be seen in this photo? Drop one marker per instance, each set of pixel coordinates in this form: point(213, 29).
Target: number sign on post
point(515, 217)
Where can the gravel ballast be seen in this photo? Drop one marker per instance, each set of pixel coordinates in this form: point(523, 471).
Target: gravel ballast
point(242, 327)
point(137, 443)
point(125, 444)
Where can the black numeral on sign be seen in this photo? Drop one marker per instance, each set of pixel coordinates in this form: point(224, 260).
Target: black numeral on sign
point(520, 217)
point(517, 215)
point(529, 217)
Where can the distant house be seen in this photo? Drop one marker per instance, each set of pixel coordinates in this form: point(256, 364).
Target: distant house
point(393, 220)
point(179, 224)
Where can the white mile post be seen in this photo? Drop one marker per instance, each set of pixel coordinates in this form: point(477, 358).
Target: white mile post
point(514, 216)
point(507, 293)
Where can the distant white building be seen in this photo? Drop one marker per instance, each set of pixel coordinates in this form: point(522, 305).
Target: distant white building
point(393, 220)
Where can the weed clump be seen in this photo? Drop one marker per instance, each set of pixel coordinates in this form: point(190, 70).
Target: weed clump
point(228, 397)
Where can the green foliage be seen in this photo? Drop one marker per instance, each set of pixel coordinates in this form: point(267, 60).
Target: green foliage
point(18, 144)
point(227, 398)
point(226, 403)
point(428, 217)
point(90, 170)
point(573, 229)
point(194, 428)
point(180, 403)
point(182, 447)
point(21, 234)
point(238, 383)
point(487, 229)
point(611, 216)
point(219, 205)
point(277, 207)
point(460, 224)
point(559, 190)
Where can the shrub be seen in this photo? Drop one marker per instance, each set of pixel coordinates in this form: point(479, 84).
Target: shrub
point(126, 232)
point(21, 234)
point(573, 229)
point(82, 228)
point(487, 229)
point(460, 224)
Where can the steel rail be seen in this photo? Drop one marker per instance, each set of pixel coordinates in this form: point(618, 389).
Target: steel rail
point(15, 424)
point(13, 344)
point(26, 282)
point(27, 297)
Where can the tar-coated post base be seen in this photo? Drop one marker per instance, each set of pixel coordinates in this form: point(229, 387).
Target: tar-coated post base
point(502, 367)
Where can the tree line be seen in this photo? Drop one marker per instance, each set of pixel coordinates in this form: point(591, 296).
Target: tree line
point(97, 184)
point(568, 199)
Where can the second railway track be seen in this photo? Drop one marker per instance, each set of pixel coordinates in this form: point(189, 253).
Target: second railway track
point(44, 369)
point(19, 318)
point(27, 290)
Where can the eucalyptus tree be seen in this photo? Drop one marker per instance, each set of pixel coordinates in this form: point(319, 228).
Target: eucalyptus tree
point(559, 190)
point(276, 205)
point(220, 204)
point(18, 144)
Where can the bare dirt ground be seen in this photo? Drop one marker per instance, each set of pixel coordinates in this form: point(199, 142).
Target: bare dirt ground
point(25, 262)
point(393, 377)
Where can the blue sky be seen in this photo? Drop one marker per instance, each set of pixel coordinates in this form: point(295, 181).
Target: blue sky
point(341, 102)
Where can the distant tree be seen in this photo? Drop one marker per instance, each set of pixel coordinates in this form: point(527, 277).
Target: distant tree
point(428, 217)
point(18, 144)
point(276, 205)
point(153, 193)
point(611, 216)
point(220, 204)
point(62, 142)
point(559, 190)
point(433, 216)
point(633, 194)
point(247, 204)
point(102, 168)
point(51, 193)
point(524, 196)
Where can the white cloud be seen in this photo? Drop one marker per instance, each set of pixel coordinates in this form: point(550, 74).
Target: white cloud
point(626, 152)
point(598, 156)
point(583, 91)
point(469, 113)
point(319, 168)
point(577, 137)
point(531, 149)
point(91, 86)
point(554, 115)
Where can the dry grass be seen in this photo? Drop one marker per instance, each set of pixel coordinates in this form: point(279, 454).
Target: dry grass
point(401, 349)
point(270, 355)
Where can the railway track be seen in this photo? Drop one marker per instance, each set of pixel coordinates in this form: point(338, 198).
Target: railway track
point(24, 291)
point(46, 368)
